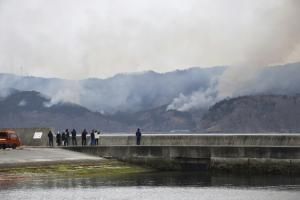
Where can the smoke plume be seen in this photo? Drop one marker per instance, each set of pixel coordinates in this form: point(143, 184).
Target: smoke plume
point(271, 43)
point(79, 39)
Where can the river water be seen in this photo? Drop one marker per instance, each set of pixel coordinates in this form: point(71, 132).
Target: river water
point(154, 186)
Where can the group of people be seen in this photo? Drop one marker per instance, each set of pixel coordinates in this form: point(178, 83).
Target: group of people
point(64, 138)
point(94, 137)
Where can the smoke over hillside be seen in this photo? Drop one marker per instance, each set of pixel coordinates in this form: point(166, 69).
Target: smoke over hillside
point(137, 92)
point(269, 44)
point(124, 92)
point(78, 39)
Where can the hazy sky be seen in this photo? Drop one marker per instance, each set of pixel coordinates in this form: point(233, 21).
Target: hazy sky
point(99, 38)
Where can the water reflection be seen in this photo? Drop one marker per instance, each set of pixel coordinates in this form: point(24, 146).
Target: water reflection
point(172, 179)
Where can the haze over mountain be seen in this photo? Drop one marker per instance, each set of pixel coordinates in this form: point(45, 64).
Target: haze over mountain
point(259, 113)
point(27, 109)
point(83, 39)
point(182, 90)
point(123, 92)
point(151, 101)
point(281, 79)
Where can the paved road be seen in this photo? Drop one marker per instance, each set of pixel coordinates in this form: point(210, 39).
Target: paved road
point(32, 156)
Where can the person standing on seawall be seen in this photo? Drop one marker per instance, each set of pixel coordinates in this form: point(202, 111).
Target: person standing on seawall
point(58, 138)
point(138, 135)
point(50, 137)
point(63, 138)
point(83, 137)
point(97, 136)
point(92, 138)
point(67, 137)
point(74, 140)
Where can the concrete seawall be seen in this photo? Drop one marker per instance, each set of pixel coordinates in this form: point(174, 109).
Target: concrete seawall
point(272, 139)
point(279, 154)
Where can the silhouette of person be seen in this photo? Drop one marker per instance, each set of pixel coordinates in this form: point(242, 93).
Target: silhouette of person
point(83, 137)
point(74, 140)
point(67, 137)
point(138, 135)
point(63, 137)
point(50, 138)
point(92, 138)
point(58, 139)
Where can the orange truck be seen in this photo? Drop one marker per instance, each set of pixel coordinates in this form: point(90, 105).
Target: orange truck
point(9, 139)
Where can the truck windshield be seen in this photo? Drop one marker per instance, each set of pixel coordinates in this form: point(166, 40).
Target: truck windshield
point(3, 135)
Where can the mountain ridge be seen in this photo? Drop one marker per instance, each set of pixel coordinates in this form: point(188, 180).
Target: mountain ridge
point(23, 109)
point(123, 92)
point(258, 113)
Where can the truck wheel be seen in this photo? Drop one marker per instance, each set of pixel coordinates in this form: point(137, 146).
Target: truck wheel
point(4, 146)
point(14, 146)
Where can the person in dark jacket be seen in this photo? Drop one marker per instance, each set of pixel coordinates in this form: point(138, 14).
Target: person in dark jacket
point(67, 137)
point(50, 137)
point(74, 140)
point(63, 138)
point(58, 139)
point(138, 135)
point(92, 138)
point(83, 137)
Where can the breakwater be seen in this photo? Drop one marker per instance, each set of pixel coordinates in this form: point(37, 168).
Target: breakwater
point(257, 153)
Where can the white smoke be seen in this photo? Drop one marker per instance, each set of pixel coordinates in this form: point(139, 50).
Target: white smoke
point(5, 89)
point(22, 103)
point(65, 92)
point(198, 99)
point(79, 39)
point(272, 43)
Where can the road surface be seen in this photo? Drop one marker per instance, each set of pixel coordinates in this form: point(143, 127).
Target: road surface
point(42, 156)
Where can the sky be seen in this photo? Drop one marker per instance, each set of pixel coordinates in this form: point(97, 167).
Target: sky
point(77, 39)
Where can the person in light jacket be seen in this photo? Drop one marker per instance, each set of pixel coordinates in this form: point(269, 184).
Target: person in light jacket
point(97, 136)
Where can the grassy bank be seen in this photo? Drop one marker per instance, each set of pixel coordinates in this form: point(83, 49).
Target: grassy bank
point(105, 168)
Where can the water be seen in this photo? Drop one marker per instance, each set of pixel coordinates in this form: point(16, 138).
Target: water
point(156, 186)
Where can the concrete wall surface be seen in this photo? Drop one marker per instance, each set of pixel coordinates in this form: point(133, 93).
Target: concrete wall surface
point(204, 139)
point(282, 160)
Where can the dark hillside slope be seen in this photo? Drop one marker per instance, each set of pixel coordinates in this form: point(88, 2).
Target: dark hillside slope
point(263, 113)
point(31, 109)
